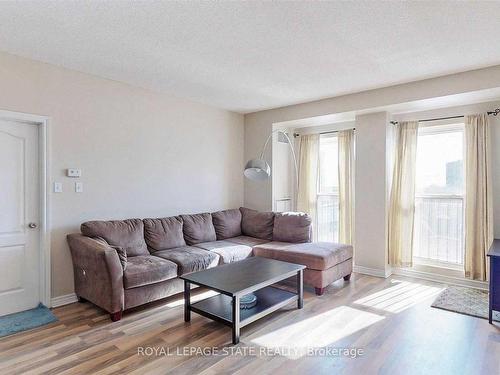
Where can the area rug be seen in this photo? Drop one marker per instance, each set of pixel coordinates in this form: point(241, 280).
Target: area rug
point(25, 320)
point(468, 301)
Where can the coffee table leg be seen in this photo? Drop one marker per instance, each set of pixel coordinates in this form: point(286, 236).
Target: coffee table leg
point(236, 319)
point(187, 301)
point(300, 289)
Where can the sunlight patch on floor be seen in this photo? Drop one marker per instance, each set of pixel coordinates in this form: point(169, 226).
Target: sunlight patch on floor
point(399, 297)
point(294, 340)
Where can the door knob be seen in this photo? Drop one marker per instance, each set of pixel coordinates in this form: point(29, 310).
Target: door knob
point(32, 225)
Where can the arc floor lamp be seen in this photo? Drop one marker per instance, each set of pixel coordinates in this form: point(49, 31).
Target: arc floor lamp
point(259, 170)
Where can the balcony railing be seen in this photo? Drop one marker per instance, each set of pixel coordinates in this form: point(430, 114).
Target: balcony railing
point(328, 217)
point(439, 229)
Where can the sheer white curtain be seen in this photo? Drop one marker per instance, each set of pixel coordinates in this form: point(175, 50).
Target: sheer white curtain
point(402, 200)
point(478, 197)
point(346, 188)
point(308, 176)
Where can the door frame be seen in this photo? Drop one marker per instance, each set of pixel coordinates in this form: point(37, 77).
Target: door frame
point(44, 198)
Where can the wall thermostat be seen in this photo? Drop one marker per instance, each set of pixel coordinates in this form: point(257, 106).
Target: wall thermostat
point(74, 172)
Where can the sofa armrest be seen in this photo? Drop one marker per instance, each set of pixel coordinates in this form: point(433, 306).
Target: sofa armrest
point(98, 272)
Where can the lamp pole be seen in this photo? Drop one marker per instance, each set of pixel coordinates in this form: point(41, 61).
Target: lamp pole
point(292, 150)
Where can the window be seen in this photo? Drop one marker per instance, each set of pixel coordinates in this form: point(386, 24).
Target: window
point(439, 197)
point(328, 189)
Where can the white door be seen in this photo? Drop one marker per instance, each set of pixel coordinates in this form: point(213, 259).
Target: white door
point(19, 217)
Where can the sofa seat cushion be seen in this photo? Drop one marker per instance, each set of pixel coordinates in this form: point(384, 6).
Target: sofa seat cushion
point(257, 224)
point(292, 227)
point(189, 259)
point(164, 233)
point(247, 240)
point(127, 234)
point(147, 269)
point(227, 223)
point(198, 228)
point(314, 255)
point(228, 251)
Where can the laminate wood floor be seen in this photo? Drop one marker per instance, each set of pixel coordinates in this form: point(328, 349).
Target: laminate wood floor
point(366, 326)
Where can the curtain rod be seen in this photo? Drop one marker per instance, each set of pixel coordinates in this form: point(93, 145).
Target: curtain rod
point(496, 112)
point(295, 135)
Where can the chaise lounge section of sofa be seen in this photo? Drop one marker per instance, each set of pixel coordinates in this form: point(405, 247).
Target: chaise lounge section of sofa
point(121, 264)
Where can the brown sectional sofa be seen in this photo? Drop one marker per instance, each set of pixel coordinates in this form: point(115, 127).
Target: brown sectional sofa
point(122, 264)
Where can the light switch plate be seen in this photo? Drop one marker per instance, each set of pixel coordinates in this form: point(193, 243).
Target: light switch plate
point(74, 172)
point(78, 187)
point(58, 187)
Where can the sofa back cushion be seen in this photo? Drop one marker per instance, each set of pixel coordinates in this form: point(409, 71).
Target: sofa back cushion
point(227, 223)
point(164, 233)
point(257, 224)
point(292, 227)
point(198, 228)
point(127, 234)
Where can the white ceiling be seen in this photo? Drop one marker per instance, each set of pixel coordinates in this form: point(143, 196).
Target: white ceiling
point(249, 56)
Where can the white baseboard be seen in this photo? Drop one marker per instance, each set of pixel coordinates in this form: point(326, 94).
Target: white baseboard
point(445, 279)
point(372, 271)
point(64, 300)
point(441, 278)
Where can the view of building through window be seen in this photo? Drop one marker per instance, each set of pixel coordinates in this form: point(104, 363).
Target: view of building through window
point(439, 198)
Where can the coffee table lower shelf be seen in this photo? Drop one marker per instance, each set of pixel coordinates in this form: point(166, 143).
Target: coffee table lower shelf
point(220, 307)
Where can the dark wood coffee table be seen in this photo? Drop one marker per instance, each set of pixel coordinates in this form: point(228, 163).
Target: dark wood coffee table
point(233, 281)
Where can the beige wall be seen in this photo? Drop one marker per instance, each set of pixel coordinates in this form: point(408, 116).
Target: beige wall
point(370, 185)
point(429, 92)
point(142, 154)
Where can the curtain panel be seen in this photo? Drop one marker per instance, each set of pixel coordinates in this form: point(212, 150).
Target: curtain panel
point(478, 197)
point(402, 198)
point(308, 177)
point(346, 186)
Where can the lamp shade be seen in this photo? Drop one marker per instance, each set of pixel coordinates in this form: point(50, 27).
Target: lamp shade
point(257, 170)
